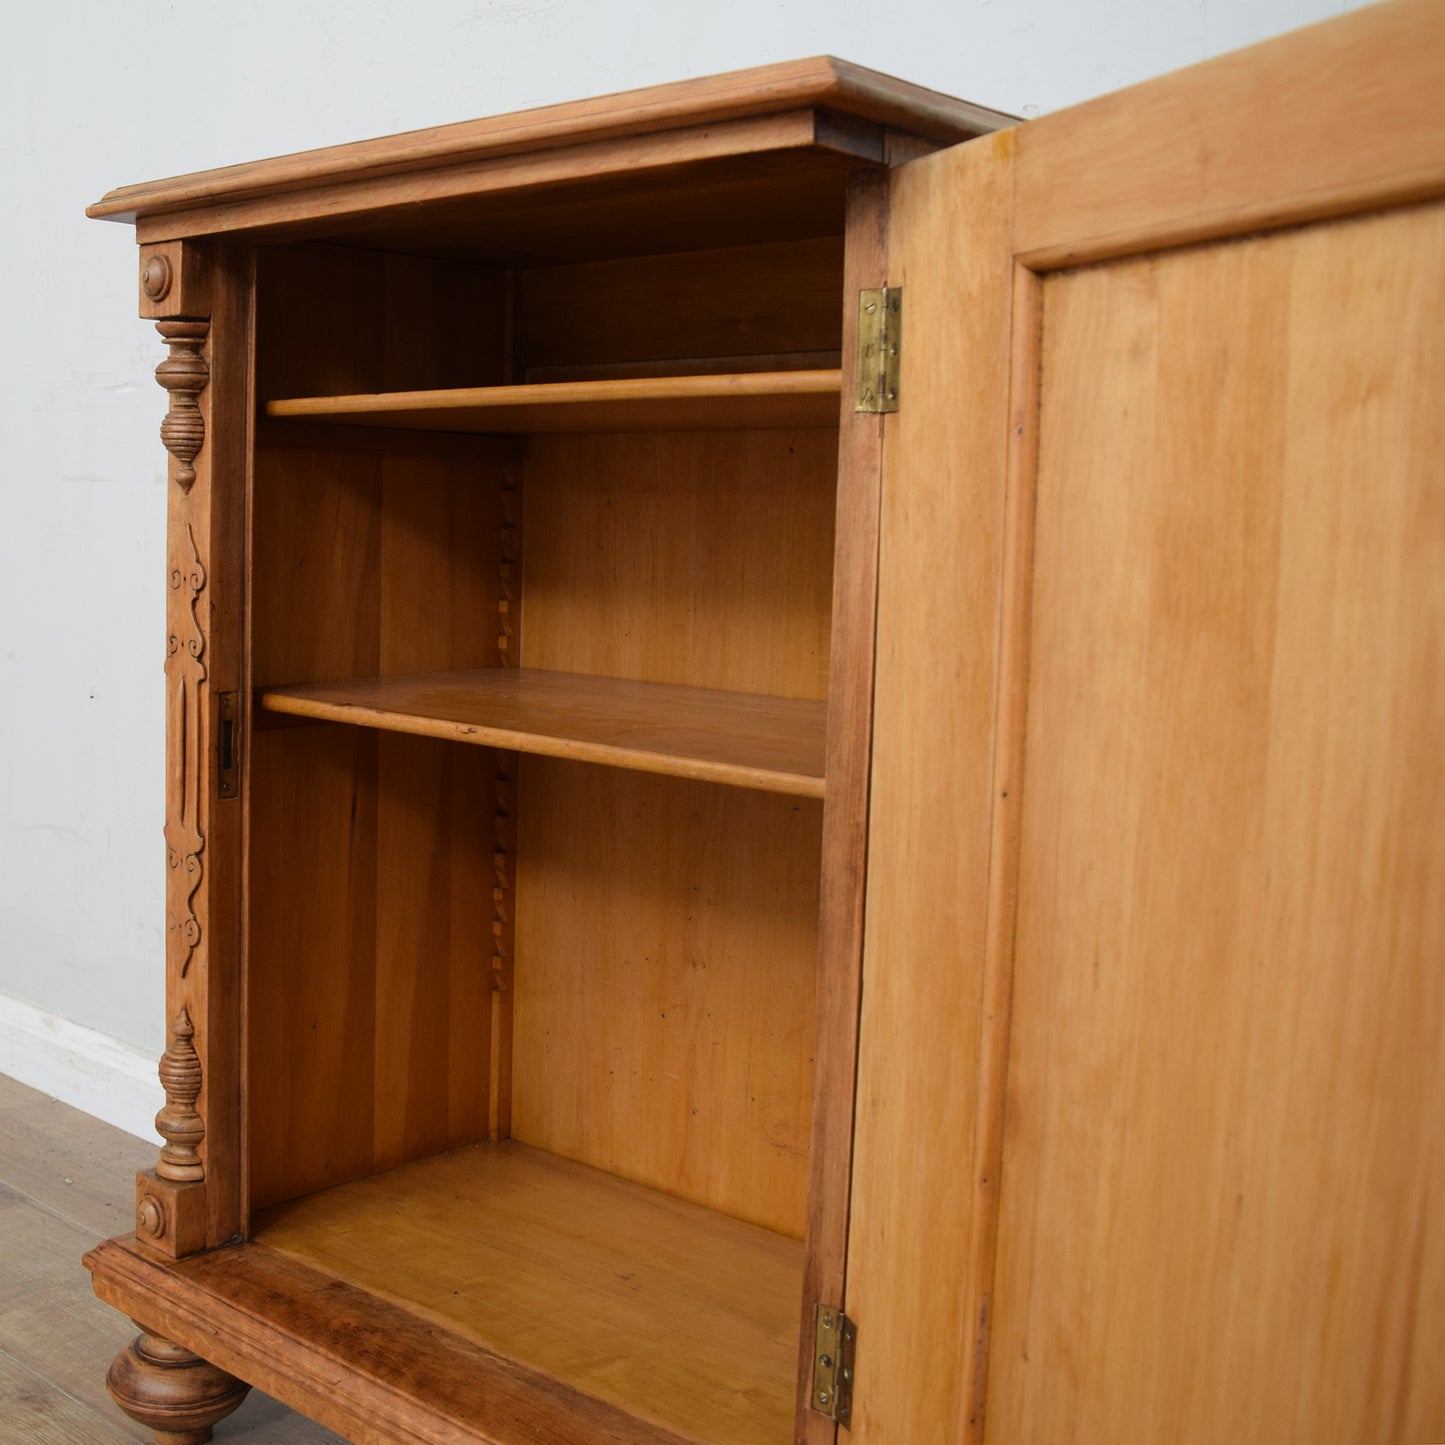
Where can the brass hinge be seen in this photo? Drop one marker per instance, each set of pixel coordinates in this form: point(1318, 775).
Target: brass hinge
point(834, 1342)
point(880, 329)
point(228, 746)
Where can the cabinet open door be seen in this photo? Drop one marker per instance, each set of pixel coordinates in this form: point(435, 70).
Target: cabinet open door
point(1150, 1137)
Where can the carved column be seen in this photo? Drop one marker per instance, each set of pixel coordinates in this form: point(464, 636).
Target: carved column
point(171, 1200)
point(184, 373)
point(178, 1123)
point(191, 1200)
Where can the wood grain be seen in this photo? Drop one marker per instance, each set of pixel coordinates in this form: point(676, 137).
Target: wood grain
point(363, 907)
point(1229, 1006)
point(65, 1162)
point(334, 319)
point(666, 957)
point(350, 1359)
point(599, 1284)
point(645, 558)
point(59, 1332)
point(775, 744)
point(835, 84)
point(676, 403)
point(911, 1271)
point(1344, 116)
point(779, 299)
point(845, 813)
point(71, 1174)
point(205, 534)
point(612, 179)
point(41, 1414)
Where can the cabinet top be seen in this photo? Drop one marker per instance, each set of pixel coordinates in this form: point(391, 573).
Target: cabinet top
point(848, 107)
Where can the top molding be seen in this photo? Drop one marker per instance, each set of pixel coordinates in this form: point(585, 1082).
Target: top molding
point(822, 83)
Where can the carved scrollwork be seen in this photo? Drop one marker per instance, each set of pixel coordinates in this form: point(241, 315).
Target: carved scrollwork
point(185, 672)
point(184, 375)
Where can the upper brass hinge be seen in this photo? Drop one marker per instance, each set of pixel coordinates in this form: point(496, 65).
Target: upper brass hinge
point(228, 746)
point(880, 330)
point(835, 1340)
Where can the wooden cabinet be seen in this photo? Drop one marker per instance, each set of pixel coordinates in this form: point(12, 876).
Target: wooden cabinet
point(676, 831)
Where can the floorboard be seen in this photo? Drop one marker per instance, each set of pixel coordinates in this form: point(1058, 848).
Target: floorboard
point(66, 1182)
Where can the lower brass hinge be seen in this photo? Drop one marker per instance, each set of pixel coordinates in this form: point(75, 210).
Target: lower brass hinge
point(834, 1342)
point(228, 746)
point(880, 335)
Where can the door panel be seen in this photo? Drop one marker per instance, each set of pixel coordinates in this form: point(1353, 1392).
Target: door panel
point(1226, 1085)
point(1151, 1105)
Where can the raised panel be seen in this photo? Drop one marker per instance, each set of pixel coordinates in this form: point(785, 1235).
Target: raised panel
point(1226, 1094)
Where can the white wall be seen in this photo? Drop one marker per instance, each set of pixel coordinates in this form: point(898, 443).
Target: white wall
point(94, 94)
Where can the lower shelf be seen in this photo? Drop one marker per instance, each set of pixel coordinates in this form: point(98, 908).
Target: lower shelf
point(521, 1297)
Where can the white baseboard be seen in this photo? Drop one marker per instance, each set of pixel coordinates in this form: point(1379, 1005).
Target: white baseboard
point(89, 1070)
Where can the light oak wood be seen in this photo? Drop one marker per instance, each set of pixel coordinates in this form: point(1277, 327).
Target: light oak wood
point(184, 374)
point(173, 1393)
point(349, 1358)
point(676, 190)
point(1343, 116)
point(823, 81)
point(206, 656)
point(1180, 1014)
point(845, 813)
point(630, 572)
point(1229, 1004)
point(337, 319)
point(509, 1247)
point(775, 744)
point(367, 903)
point(666, 947)
point(677, 403)
point(1124, 629)
point(178, 1122)
point(910, 1262)
point(660, 314)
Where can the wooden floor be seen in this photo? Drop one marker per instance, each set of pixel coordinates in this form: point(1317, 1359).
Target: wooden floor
point(65, 1182)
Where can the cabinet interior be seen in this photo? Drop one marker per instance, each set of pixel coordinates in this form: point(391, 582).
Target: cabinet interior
point(535, 782)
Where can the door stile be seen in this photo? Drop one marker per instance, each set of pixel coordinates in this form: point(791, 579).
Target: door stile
point(929, 1025)
point(845, 807)
point(995, 1018)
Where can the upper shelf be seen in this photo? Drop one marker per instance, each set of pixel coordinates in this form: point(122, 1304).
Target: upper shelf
point(772, 744)
point(673, 403)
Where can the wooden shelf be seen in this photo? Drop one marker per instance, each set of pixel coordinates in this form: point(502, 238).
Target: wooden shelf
point(772, 744)
point(672, 403)
point(676, 1314)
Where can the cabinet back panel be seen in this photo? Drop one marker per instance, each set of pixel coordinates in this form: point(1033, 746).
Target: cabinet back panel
point(332, 320)
point(368, 561)
point(369, 919)
point(663, 1002)
point(700, 558)
point(739, 308)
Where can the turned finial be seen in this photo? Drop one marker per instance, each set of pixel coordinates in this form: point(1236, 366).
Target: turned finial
point(184, 375)
point(179, 1123)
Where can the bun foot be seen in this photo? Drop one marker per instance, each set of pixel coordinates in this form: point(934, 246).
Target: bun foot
point(171, 1391)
